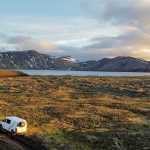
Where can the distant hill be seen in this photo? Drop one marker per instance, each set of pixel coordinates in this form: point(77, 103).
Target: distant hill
point(119, 64)
point(34, 60)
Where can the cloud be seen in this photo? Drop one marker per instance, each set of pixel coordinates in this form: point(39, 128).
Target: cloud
point(133, 43)
point(132, 16)
point(106, 28)
point(28, 43)
point(52, 36)
point(133, 12)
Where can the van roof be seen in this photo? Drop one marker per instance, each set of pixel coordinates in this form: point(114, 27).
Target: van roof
point(17, 119)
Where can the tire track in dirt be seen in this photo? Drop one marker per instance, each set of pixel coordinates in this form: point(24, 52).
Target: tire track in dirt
point(8, 142)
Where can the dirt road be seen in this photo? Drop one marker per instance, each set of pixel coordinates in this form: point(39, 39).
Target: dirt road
point(7, 143)
point(19, 143)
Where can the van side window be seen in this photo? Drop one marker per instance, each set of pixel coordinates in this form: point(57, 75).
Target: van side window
point(4, 120)
point(21, 124)
point(8, 121)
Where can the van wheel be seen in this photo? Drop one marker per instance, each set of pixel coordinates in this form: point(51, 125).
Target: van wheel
point(12, 132)
point(1, 127)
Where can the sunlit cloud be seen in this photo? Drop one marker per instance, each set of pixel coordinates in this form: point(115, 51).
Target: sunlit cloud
point(103, 28)
point(28, 43)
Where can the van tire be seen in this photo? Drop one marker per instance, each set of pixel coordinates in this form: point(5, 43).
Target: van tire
point(13, 132)
point(1, 127)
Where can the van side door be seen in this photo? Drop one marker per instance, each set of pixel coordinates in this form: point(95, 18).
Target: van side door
point(12, 126)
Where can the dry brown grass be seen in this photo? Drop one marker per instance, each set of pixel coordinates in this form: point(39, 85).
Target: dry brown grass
point(9, 73)
point(82, 104)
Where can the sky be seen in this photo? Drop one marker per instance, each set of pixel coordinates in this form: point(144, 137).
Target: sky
point(84, 29)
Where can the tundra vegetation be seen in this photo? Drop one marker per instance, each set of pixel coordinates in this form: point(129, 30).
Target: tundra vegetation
point(81, 113)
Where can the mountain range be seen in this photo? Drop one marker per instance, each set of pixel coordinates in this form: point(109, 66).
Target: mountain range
point(32, 59)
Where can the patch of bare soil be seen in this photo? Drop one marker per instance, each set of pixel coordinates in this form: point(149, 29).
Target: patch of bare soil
point(9, 144)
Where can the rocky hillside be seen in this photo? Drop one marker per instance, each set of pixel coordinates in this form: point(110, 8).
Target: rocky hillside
point(35, 60)
point(24, 60)
point(124, 64)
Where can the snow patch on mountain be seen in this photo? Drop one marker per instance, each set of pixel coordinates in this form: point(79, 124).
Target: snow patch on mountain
point(70, 59)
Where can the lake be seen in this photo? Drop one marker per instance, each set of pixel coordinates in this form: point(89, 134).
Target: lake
point(83, 73)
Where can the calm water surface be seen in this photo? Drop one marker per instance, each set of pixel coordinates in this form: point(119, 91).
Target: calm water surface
point(83, 73)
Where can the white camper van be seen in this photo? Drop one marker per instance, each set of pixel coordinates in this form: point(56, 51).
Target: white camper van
point(14, 125)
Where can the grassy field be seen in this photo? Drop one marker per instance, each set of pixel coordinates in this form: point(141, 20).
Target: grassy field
point(81, 113)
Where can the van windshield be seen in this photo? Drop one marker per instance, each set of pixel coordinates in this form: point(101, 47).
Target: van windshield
point(8, 121)
point(21, 124)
